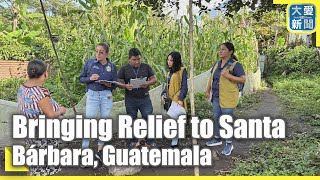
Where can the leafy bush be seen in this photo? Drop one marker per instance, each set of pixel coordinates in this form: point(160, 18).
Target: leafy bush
point(300, 60)
point(295, 157)
point(9, 88)
point(203, 108)
point(15, 51)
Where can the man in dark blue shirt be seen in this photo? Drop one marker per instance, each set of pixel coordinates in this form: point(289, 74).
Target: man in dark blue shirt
point(137, 98)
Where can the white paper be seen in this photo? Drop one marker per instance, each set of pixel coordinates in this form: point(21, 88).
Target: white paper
point(175, 110)
point(136, 83)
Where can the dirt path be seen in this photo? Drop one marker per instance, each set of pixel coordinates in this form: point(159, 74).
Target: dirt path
point(269, 106)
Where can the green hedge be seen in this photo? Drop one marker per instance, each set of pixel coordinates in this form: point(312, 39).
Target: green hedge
point(301, 60)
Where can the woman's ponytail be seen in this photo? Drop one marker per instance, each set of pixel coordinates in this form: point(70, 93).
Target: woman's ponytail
point(234, 57)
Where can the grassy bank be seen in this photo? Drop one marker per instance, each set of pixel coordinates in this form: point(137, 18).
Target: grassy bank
point(300, 153)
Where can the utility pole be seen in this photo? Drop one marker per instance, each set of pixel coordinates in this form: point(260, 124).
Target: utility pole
point(194, 141)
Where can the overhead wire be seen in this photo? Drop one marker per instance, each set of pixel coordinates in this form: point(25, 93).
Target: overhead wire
point(58, 61)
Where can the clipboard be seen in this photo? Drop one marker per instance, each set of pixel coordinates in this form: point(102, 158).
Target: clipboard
point(106, 81)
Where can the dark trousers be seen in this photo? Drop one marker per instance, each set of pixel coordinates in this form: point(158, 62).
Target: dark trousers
point(144, 105)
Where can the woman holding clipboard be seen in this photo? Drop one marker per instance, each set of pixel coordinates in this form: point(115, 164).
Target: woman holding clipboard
point(99, 93)
point(176, 87)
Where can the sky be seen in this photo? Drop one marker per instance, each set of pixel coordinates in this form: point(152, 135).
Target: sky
point(183, 6)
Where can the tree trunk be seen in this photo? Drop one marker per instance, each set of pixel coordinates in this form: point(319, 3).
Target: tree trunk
point(15, 11)
point(313, 39)
point(15, 24)
point(194, 141)
point(182, 38)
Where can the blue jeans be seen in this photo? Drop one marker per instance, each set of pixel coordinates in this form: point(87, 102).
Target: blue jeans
point(143, 104)
point(217, 112)
point(97, 100)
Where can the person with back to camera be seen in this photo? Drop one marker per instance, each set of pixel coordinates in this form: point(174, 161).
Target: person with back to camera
point(35, 100)
point(222, 90)
point(176, 87)
point(99, 93)
point(137, 98)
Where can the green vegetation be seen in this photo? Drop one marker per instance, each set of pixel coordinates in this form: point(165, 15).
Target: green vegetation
point(270, 28)
point(292, 70)
point(124, 24)
point(203, 108)
point(299, 60)
point(299, 154)
point(9, 88)
point(295, 157)
point(249, 101)
point(300, 94)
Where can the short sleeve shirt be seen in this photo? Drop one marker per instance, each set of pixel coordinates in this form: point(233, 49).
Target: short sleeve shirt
point(128, 72)
point(28, 100)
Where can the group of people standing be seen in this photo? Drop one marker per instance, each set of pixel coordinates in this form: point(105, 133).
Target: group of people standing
point(222, 90)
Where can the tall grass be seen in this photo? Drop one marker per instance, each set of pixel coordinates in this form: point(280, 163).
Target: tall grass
point(125, 24)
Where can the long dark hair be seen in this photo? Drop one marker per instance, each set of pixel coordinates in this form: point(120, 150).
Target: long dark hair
point(177, 62)
point(230, 47)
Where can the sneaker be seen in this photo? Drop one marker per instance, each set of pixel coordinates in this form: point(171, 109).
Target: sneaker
point(99, 155)
point(84, 166)
point(87, 166)
point(174, 146)
point(81, 165)
point(214, 142)
point(174, 142)
point(227, 149)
